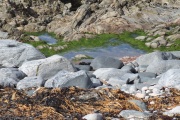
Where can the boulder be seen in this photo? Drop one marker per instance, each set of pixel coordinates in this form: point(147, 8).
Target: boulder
point(46, 68)
point(30, 82)
point(116, 81)
point(13, 53)
point(170, 79)
point(83, 67)
point(147, 59)
point(10, 77)
point(107, 73)
point(93, 116)
point(133, 114)
point(128, 68)
point(176, 54)
point(106, 62)
point(162, 66)
point(67, 79)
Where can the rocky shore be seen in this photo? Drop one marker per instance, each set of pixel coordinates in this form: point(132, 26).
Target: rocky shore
point(35, 87)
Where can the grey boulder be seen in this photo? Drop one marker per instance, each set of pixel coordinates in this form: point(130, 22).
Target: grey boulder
point(147, 59)
point(170, 79)
point(13, 53)
point(10, 76)
point(67, 79)
point(163, 66)
point(107, 73)
point(46, 68)
point(174, 111)
point(106, 62)
point(30, 82)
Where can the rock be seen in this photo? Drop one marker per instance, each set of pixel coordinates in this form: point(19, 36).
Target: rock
point(141, 38)
point(30, 82)
point(93, 116)
point(85, 61)
point(34, 38)
point(128, 68)
point(140, 104)
point(163, 66)
point(106, 62)
point(145, 76)
point(173, 37)
point(107, 73)
point(96, 82)
point(140, 95)
point(46, 68)
point(13, 53)
point(67, 79)
point(155, 44)
point(116, 81)
point(83, 67)
point(133, 114)
point(174, 111)
point(10, 77)
point(170, 79)
point(176, 54)
point(130, 78)
point(3, 35)
point(147, 58)
point(80, 57)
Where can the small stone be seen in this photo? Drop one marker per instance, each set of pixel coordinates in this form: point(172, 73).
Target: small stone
point(140, 95)
point(152, 102)
point(93, 116)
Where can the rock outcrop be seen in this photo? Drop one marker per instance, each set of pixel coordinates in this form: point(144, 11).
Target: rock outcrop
point(74, 19)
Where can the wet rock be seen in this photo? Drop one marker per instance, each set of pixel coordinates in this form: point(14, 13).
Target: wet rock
point(106, 62)
point(93, 116)
point(30, 82)
point(133, 114)
point(13, 53)
point(46, 68)
point(66, 79)
point(170, 79)
point(10, 76)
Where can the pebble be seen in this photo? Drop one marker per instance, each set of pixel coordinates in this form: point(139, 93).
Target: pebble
point(152, 102)
point(140, 95)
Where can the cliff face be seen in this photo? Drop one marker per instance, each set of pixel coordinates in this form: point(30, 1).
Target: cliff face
point(71, 19)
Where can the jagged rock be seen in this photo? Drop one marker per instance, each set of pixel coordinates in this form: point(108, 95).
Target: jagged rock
point(13, 53)
point(46, 68)
point(66, 79)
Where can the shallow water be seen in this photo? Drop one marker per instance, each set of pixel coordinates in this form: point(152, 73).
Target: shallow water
point(48, 39)
point(112, 51)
